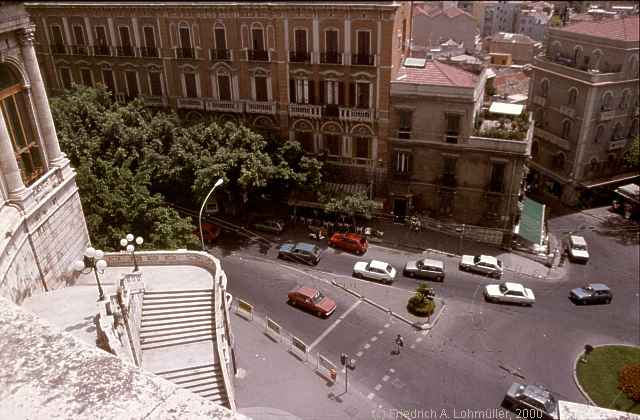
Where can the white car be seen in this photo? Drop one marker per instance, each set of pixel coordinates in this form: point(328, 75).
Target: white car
point(483, 264)
point(510, 293)
point(375, 270)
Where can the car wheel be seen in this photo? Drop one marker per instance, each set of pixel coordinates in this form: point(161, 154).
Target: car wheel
point(608, 300)
point(320, 315)
point(292, 302)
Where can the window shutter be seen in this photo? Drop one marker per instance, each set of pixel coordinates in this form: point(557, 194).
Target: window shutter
point(352, 94)
point(292, 91)
point(341, 100)
point(322, 92)
point(312, 92)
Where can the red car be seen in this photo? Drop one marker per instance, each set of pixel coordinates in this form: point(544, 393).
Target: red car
point(210, 232)
point(312, 300)
point(349, 242)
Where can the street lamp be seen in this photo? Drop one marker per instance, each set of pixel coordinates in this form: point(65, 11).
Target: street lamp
point(349, 364)
point(217, 184)
point(127, 243)
point(92, 261)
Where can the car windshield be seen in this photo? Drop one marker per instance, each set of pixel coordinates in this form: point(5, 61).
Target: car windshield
point(389, 268)
point(503, 287)
point(317, 298)
point(580, 247)
point(476, 259)
point(550, 404)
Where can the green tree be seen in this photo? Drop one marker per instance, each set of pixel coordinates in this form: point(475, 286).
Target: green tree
point(349, 205)
point(115, 149)
point(632, 156)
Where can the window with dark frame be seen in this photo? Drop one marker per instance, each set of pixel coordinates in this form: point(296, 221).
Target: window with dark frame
point(191, 85)
point(65, 77)
point(405, 118)
point(155, 82)
point(221, 39)
point(362, 95)
point(449, 171)
point(453, 127)
point(261, 88)
point(85, 76)
point(132, 84)
point(57, 39)
point(362, 146)
point(333, 144)
point(305, 138)
point(257, 41)
point(402, 162)
point(108, 80)
point(224, 87)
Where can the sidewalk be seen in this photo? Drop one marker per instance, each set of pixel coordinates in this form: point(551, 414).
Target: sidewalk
point(273, 384)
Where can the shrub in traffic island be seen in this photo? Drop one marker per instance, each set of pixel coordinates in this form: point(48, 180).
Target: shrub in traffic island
point(629, 381)
point(422, 303)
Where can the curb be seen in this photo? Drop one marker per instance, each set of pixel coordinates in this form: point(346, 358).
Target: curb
point(575, 375)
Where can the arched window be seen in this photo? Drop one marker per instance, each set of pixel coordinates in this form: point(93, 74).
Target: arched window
point(573, 94)
point(597, 55)
point(544, 88)
point(566, 129)
point(617, 132)
point(18, 117)
point(599, 133)
point(577, 55)
point(607, 98)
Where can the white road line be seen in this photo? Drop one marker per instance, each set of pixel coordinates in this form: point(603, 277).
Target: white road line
point(413, 346)
point(359, 354)
point(377, 387)
point(371, 395)
point(373, 339)
point(335, 324)
point(392, 370)
point(380, 332)
point(387, 325)
point(385, 378)
point(366, 346)
point(419, 339)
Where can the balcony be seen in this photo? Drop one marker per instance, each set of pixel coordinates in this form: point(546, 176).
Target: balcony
point(552, 138)
point(539, 100)
point(568, 111)
point(606, 115)
point(356, 114)
point(299, 57)
point(331, 57)
point(102, 50)
point(58, 49)
point(404, 133)
point(190, 103)
point(363, 60)
point(305, 110)
point(158, 101)
point(617, 144)
point(331, 111)
point(125, 51)
point(149, 52)
point(350, 161)
point(254, 107)
point(220, 55)
point(258, 55)
point(220, 105)
point(78, 50)
point(185, 53)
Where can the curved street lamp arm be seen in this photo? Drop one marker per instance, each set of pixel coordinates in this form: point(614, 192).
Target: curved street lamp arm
point(202, 209)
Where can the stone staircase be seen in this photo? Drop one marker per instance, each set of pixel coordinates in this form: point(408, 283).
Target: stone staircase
point(179, 317)
point(205, 381)
point(176, 317)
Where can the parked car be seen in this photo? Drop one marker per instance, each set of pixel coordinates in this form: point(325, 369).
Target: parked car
point(510, 293)
point(591, 293)
point(351, 242)
point(531, 401)
point(312, 300)
point(269, 225)
point(425, 268)
point(375, 270)
point(483, 264)
point(577, 249)
point(300, 252)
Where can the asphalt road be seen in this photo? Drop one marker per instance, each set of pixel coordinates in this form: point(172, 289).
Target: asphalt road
point(477, 349)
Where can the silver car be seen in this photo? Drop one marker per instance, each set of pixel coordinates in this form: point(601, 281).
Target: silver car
point(531, 401)
point(425, 268)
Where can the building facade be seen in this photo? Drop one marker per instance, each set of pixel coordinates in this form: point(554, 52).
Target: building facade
point(454, 165)
point(315, 72)
point(433, 25)
point(42, 227)
point(584, 95)
point(520, 47)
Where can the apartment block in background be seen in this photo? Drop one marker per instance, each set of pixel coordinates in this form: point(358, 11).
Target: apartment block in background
point(315, 72)
point(454, 157)
point(584, 96)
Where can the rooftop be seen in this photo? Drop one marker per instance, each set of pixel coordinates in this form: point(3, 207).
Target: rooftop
point(434, 11)
point(514, 38)
point(623, 29)
point(434, 73)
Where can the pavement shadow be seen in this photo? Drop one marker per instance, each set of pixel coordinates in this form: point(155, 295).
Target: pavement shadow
point(88, 323)
point(623, 231)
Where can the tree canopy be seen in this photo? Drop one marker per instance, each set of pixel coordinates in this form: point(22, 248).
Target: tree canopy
point(350, 205)
point(129, 158)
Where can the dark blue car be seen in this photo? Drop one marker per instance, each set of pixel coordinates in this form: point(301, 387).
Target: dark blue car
point(300, 252)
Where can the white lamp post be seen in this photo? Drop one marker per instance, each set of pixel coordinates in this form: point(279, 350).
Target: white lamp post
point(92, 261)
point(127, 243)
point(217, 184)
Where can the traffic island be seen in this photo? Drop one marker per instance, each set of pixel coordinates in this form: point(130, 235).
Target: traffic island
point(609, 376)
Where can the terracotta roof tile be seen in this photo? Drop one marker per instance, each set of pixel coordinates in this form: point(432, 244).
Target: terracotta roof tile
point(433, 11)
point(436, 73)
point(625, 29)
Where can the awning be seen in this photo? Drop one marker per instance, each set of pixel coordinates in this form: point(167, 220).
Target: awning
point(531, 226)
point(630, 191)
point(610, 181)
point(506, 109)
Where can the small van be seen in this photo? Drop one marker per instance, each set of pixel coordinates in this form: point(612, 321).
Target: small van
point(425, 268)
point(577, 249)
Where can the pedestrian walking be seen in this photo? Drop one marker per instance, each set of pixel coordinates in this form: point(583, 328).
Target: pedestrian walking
point(399, 343)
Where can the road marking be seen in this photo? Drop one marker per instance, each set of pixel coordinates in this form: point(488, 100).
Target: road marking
point(373, 339)
point(366, 346)
point(335, 324)
point(387, 325)
point(380, 332)
point(359, 354)
point(419, 339)
point(371, 395)
point(413, 346)
point(385, 378)
point(392, 370)
point(425, 332)
point(377, 387)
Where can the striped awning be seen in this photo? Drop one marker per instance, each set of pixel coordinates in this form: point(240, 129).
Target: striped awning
point(531, 226)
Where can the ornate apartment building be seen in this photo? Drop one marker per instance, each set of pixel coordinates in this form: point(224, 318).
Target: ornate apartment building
point(42, 227)
point(584, 95)
point(317, 72)
point(452, 155)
